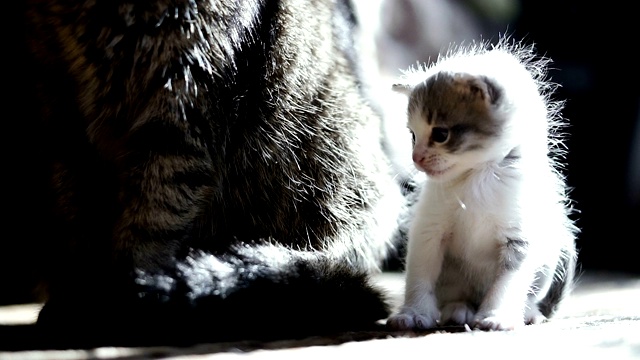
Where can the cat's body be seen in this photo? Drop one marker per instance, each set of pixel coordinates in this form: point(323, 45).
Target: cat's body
point(215, 169)
point(491, 242)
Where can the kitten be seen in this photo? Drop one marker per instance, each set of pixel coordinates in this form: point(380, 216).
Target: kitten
point(491, 243)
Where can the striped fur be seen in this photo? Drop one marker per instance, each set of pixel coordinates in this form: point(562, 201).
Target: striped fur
point(213, 163)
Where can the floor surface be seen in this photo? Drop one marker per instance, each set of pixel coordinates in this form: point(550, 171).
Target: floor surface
point(600, 320)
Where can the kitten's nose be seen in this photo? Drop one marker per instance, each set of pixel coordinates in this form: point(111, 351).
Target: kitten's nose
point(420, 151)
point(418, 157)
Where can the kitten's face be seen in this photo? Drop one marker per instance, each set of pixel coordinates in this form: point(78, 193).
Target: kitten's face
point(450, 117)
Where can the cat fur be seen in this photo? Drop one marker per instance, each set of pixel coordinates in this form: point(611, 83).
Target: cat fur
point(207, 171)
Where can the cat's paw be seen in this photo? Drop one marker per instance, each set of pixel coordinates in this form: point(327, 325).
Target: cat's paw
point(496, 321)
point(458, 313)
point(534, 316)
point(411, 320)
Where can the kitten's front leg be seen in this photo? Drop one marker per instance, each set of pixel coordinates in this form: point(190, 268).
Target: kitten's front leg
point(457, 313)
point(420, 308)
point(504, 303)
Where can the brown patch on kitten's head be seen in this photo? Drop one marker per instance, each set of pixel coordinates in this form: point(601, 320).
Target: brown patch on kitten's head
point(463, 104)
point(464, 88)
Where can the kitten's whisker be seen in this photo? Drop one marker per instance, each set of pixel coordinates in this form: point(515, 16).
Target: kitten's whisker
point(462, 205)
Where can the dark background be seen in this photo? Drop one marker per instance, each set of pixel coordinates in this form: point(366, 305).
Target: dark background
point(594, 48)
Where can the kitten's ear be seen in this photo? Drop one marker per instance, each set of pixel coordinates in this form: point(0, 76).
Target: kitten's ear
point(485, 88)
point(402, 88)
point(493, 91)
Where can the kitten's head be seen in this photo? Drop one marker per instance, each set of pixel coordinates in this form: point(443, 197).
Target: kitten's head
point(453, 121)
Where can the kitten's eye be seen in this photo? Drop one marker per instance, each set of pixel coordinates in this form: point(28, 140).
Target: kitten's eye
point(439, 134)
point(413, 138)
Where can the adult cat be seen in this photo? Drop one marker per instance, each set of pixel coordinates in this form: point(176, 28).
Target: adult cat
point(214, 171)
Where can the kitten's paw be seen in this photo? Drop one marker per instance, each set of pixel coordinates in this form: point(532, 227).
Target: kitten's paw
point(400, 322)
point(534, 316)
point(411, 320)
point(457, 313)
point(495, 321)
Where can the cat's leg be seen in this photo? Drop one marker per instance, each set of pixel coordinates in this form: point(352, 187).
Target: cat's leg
point(454, 296)
point(532, 314)
point(545, 286)
point(424, 264)
point(163, 194)
point(457, 313)
point(503, 306)
point(540, 287)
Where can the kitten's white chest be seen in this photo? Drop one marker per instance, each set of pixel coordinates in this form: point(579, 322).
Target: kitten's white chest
point(473, 238)
point(473, 224)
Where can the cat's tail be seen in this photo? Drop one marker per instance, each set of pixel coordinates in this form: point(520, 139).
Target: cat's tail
point(253, 292)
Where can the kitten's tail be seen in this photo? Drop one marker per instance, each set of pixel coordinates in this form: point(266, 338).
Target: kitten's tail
point(562, 284)
point(254, 292)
